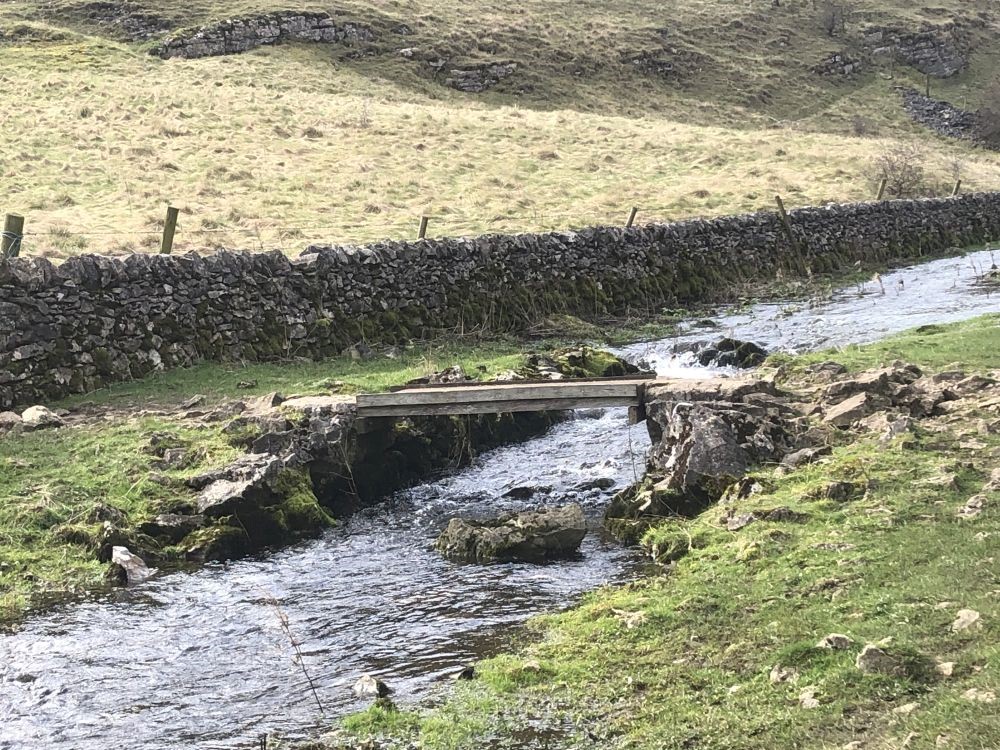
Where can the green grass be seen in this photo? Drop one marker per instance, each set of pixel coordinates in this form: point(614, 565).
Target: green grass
point(684, 659)
point(298, 144)
point(219, 381)
point(971, 344)
point(51, 484)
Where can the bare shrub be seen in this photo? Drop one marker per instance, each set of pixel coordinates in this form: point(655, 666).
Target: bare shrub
point(834, 15)
point(863, 127)
point(902, 167)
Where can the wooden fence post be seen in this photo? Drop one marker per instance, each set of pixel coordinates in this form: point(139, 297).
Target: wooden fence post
point(786, 222)
point(881, 188)
point(631, 217)
point(423, 228)
point(958, 187)
point(169, 227)
point(13, 232)
point(928, 86)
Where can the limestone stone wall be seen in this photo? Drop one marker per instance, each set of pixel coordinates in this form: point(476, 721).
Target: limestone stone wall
point(940, 52)
point(94, 320)
point(242, 34)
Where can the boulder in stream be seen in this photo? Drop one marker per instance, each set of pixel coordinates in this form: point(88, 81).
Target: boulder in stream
point(732, 353)
point(134, 567)
point(532, 536)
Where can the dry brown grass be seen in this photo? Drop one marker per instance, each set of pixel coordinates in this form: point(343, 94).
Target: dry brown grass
point(292, 145)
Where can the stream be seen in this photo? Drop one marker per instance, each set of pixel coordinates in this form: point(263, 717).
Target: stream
point(199, 659)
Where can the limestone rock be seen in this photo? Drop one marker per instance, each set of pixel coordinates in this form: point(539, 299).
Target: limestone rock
point(966, 619)
point(40, 417)
point(531, 536)
point(135, 568)
point(735, 523)
point(706, 436)
point(370, 687)
point(835, 641)
point(807, 698)
point(973, 507)
point(852, 409)
point(875, 660)
point(781, 674)
point(805, 456)
point(237, 35)
point(246, 481)
point(980, 695)
point(172, 527)
point(732, 353)
point(9, 420)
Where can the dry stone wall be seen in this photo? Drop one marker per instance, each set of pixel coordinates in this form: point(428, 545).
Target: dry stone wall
point(243, 34)
point(95, 320)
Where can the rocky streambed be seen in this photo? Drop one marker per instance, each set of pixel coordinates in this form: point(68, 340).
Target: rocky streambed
point(202, 658)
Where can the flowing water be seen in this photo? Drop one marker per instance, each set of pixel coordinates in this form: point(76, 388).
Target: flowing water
point(200, 660)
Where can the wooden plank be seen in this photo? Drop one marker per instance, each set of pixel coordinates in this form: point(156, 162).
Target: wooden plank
point(490, 407)
point(637, 378)
point(502, 393)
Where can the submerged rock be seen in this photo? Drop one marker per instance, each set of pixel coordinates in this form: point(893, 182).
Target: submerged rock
point(532, 536)
point(732, 353)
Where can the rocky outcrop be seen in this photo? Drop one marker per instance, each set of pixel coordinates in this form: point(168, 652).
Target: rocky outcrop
point(839, 64)
point(706, 436)
point(476, 78)
point(95, 320)
point(237, 35)
point(896, 393)
point(941, 51)
point(532, 536)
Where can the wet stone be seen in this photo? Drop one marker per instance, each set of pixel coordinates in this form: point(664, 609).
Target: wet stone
point(531, 536)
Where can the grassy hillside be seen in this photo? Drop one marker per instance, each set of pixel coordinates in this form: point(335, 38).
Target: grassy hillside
point(300, 143)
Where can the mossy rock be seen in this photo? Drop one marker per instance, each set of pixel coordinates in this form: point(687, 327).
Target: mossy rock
point(219, 542)
point(299, 511)
point(670, 541)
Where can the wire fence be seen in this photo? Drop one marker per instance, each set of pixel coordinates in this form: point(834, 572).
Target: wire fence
point(16, 241)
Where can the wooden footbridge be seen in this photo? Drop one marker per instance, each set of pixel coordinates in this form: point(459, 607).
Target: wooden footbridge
point(517, 396)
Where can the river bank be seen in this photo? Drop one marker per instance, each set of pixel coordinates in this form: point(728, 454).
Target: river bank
point(214, 477)
point(863, 620)
point(369, 595)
